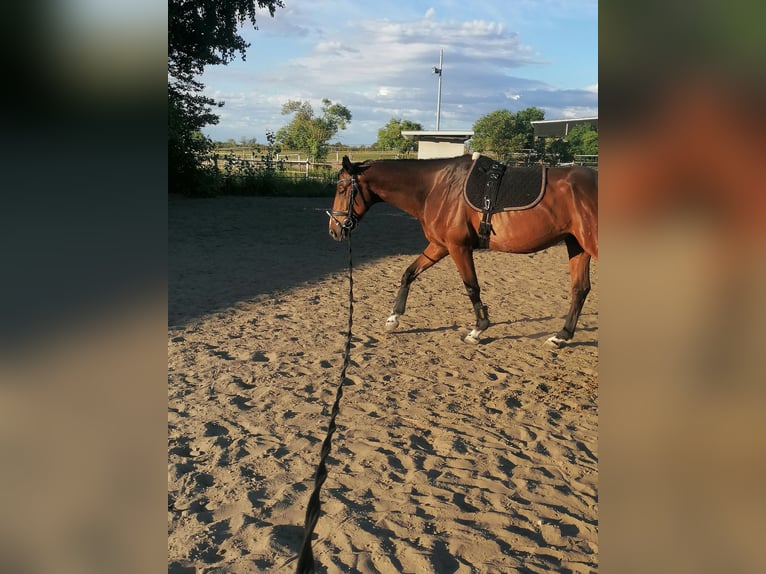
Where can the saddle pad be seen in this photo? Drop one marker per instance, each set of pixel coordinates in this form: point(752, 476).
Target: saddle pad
point(520, 188)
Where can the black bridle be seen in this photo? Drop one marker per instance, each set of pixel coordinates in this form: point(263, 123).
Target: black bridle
point(352, 219)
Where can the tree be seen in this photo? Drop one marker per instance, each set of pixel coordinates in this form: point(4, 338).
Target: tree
point(558, 150)
point(390, 136)
point(187, 114)
point(506, 133)
point(583, 140)
point(492, 131)
point(200, 33)
point(311, 134)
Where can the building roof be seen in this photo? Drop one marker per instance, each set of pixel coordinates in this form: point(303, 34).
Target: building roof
point(457, 136)
point(560, 128)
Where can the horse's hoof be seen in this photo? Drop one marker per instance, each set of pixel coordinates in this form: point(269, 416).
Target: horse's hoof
point(392, 323)
point(473, 337)
point(556, 342)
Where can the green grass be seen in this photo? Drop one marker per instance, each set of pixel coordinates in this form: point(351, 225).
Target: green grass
point(275, 185)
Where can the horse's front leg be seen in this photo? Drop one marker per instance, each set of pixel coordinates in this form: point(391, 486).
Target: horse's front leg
point(430, 256)
point(463, 258)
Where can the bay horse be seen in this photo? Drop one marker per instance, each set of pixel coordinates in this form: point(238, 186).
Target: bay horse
point(431, 190)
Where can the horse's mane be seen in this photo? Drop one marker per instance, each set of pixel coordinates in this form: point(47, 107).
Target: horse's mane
point(412, 161)
point(408, 163)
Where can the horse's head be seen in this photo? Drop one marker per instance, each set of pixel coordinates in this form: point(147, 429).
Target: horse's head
point(351, 201)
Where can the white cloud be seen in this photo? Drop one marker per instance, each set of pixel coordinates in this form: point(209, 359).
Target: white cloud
point(390, 92)
point(334, 48)
point(578, 112)
point(381, 68)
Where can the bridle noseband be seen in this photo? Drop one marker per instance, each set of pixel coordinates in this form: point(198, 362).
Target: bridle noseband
point(352, 219)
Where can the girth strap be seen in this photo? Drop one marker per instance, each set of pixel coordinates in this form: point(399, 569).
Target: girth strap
point(491, 189)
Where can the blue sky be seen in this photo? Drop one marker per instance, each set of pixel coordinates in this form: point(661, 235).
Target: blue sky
point(376, 58)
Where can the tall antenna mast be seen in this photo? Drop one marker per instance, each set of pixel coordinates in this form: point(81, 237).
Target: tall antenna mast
point(438, 72)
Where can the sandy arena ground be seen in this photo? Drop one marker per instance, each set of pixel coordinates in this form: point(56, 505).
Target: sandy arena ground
point(448, 458)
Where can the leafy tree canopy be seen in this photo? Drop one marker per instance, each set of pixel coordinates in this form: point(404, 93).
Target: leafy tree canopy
point(205, 32)
point(583, 139)
point(506, 133)
point(309, 133)
point(390, 136)
point(200, 33)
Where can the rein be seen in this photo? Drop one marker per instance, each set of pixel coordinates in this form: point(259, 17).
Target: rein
point(305, 563)
point(306, 556)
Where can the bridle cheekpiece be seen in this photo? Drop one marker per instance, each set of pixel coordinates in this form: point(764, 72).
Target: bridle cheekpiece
point(352, 219)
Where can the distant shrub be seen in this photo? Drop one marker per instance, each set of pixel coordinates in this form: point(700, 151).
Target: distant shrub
point(233, 175)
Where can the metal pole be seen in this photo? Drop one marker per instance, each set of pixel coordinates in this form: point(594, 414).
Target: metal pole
point(439, 94)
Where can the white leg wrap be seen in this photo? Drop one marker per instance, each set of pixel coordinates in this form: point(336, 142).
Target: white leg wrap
point(473, 337)
point(392, 322)
point(555, 341)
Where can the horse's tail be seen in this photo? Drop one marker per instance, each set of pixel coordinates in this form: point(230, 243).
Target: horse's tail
point(585, 188)
point(595, 218)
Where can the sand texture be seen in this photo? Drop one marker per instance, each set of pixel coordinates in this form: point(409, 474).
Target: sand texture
point(448, 458)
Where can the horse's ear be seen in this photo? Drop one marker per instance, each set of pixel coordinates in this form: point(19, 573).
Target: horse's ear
point(347, 164)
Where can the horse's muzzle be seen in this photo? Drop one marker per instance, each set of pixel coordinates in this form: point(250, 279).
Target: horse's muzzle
point(337, 232)
point(341, 230)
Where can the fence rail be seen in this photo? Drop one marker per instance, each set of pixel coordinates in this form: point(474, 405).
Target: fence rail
point(235, 165)
point(231, 165)
point(588, 160)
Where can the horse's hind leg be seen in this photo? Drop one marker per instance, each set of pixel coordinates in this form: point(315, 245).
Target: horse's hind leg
point(463, 258)
point(579, 271)
point(430, 256)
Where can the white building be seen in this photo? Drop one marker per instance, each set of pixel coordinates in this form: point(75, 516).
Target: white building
point(441, 143)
